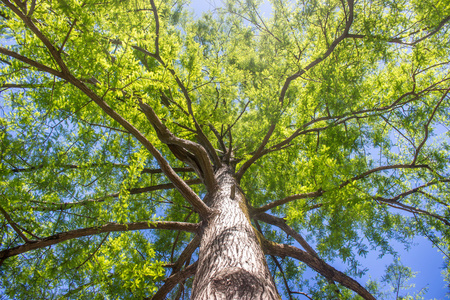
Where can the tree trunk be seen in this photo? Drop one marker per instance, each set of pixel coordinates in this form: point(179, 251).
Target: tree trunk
point(231, 262)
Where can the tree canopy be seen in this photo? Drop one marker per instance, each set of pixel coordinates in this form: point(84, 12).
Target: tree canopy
point(115, 116)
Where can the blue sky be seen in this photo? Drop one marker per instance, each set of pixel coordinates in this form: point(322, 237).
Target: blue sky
point(421, 258)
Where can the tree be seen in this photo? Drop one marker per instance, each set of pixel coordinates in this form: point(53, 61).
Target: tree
point(397, 277)
point(146, 153)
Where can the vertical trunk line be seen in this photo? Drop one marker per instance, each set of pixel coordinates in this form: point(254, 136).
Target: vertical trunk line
point(231, 262)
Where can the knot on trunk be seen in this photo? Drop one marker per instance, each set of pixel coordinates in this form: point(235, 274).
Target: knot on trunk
point(236, 283)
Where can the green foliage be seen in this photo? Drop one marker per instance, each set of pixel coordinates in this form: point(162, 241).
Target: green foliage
point(378, 99)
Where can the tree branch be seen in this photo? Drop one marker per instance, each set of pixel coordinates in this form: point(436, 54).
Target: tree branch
point(393, 202)
point(364, 113)
point(281, 223)
point(187, 252)
point(61, 48)
point(13, 225)
point(426, 127)
point(304, 294)
point(341, 119)
point(93, 253)
point(400, 40)
point(280, 268)
point(201, 136)
point(71, 166)
point(166, 136)
point(173, 280)
point(182, 187)
point(175, 242)
point(259, 153)
point(51, 48)
point(20, 86)
point(133, 191)
point(276, 203)
point(382, 168)
point(111, 227)
point(219, 138)
point(237, 119)
point(31, 62)
point(320, 191)
point(412, 209)
point(349, 21)
point(156, 16)
point(316, 264)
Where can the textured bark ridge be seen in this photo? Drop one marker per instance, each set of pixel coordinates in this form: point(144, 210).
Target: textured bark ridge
point(231, 261)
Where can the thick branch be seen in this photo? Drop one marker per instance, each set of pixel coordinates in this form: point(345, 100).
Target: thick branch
point(316, 264)
point(173, 280)
point(201, 135)
point(281, 223)
point(111, 227)
point(167, 137)
point(31, 62)
point(51, 48)
point(187, 252)
point(182, 187)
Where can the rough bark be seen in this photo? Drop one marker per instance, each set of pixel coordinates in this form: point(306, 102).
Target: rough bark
point(231, 262)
